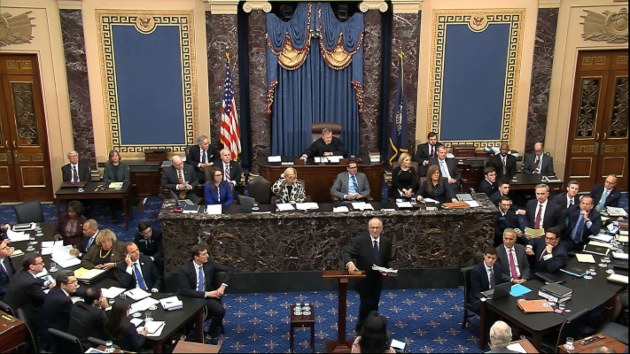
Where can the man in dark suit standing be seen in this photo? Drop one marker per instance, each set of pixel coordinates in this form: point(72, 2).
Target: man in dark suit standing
point(507, 219)
point(139, 271)
point(180, 178)
point(541, 213)
point(351, 185)
point(327, 145)
point(484, 276)
point(549, 254)
point(512, 259)
point(232, 170)
point(448, 166)
point(606, 194)
point(504, 163)
point(196, 279)
point(538, 162)
point(359, 256)
point(425, 152)
point(6, 268)
point(487, 184)
point(583, 222)
point(201, 156)
point(75, 171)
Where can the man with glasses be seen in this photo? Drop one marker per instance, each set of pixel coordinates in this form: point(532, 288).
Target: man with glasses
point(196, 279)
point(549, 254)
point(487, 184)
point(359, 256)
point(606, 194)
point(351, 185)
point(512, 259)
point(58, 304)
point(74, 171)
point(327, 145)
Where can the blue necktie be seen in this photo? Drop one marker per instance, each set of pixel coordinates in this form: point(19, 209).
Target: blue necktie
point(200, 278)
point(577, 230)
point(139, 277)
point(355, 184)
point(89, 244)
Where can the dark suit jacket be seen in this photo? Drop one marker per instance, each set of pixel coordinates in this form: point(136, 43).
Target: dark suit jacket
point(150, 273)
point(486, 187)
point(170, 180)
point(56, 310)
point(5, 277)
point(443, 192)
point(561, 200)
point(84, 172)
point(193, 158)
point(25, 291)
point(503, 261)
point(129, 339)
point(554, 263)
point(612, 199)
point(509, 220)
point(84, 242)
point(153, 248)
point(318, 148)
point(340, 187)
point(479, 282)
point(359, 251)
point(235, 171)
point(86, 321)
point(574, 216)
point(553, 214)
point(188, 278)
point(496, 197)
point(112, 175)
point(452, 167)
point(510, 165)
point(546, 168)
point(422, 155)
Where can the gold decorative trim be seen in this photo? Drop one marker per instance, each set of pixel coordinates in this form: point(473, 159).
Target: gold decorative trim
point(145, 24)
point(250, 6)
point(548, 4)
point(16, 29)
point(365, 6)
point(515, 18)
point(610, 27)
point(478, 22)
point(406, 6)
point(222, 7)
point(184, 20)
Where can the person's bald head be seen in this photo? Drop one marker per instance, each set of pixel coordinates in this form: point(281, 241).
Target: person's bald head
point(177, 162)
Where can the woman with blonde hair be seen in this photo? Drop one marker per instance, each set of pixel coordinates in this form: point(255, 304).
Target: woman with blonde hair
point(106, 253)
point(404, 177)
point(288, 189)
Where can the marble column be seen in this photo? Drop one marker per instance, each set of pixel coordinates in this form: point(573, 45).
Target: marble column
point(370, 119)
point(78, 85)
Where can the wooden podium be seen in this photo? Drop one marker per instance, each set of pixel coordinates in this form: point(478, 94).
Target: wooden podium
point(341, 345)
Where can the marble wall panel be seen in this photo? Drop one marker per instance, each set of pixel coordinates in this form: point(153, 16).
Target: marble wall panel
point(78, 85)
point(370, 119)
point(541, 77)
point(260, 121)
point(406, 40)
point(221, 33)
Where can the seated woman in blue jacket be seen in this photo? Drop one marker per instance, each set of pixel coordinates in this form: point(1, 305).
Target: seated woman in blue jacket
point(218, 191)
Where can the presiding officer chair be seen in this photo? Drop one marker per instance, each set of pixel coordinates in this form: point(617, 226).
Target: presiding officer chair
point(468, 310)
point(316, 129)
point(30, 211)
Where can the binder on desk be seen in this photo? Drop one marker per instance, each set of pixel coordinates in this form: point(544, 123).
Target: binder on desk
point(534, 306)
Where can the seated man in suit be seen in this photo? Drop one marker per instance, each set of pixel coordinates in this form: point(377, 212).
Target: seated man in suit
point(504, 163)
point(425, 152)
point(507, 219)
point(201, 156)
point(448, 166)
point(541, 213)
point(327, 145)
point(538, 162)
point(6, 268)
point(58, 303)
point(512, 259)
point(181, 178)
point(232, 170)
point(484, 276)
point(503, 190)
point(149, 243)
point(351, 185)
point(568, 198)
point(75, 171)
point(487, 184)
point(583, 222)
point(88, 317)
point(606, 194)
point(196, 279)
point(90, 231)
point(549, 254)
point(139, 271)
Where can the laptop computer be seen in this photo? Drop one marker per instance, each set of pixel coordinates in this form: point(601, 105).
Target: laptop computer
point(184, 204)
point(246, 202)
point(557, 277)
point(499, 291)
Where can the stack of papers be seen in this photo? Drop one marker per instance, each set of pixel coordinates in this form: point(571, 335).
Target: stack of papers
point(17, 253)
point(601, 237)
point(585, 258)
point(61, 256)
point(620, 255)
point(618, 278)
point(112, 292)
point(171, 303)
point(402, 205)
point(362, 206)
point(17, 236)
point(613, 211)
point(341, 209)
point(24, 227)
point(213, 209)
point(87, 275)
point(116, 185)
point(143, 305)
point(285, 207)
point(137, 294)
point(307, 206)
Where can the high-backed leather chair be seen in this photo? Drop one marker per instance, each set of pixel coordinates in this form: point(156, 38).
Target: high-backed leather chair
point(316, 129)
point(468, 310)
point(30, 211)
point(260, 189)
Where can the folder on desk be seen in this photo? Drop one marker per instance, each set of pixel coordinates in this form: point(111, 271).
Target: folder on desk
point(534, 306)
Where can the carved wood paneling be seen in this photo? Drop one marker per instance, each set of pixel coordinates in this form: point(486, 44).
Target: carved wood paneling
point(33, 176)
point(5, 180)
point(580, 167)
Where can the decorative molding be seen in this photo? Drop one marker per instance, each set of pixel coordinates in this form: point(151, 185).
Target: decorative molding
point(610, 27)
point(250, 6)
point(69, 4)
point(222, 7)
point(16, 29)
point(406, 6)
point(365, 6)
point(548, 4)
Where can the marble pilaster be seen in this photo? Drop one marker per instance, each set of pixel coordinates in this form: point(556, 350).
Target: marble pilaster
point(370, 119)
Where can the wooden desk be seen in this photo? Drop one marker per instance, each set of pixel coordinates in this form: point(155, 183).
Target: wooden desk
point(319, 178)
point(614, 344)
point(523, 181)
point(96, 190)
point(12, 332)
point(194, 347)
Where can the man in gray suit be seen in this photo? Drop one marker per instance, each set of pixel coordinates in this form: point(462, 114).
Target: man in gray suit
point(181, 178)
point(351, 185)
point(512, 259)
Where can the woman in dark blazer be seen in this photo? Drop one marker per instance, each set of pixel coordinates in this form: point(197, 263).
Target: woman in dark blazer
point(115, 169)
point(218, 191)
point(404, 177)
point(121, 331)
point(435, 187)
point(70, 226)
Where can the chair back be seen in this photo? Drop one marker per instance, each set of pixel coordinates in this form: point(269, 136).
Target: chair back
point(7, 308)
point(65, 342)
point(466, 274)
point(30, 211)
point(30, 338)
point(260, 189)
point(316, 129)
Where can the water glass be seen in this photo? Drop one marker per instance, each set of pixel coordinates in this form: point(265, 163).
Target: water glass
point(53, 267)
point(110, 346)
point(255, 207)
point(148, 317)
point(568, 344)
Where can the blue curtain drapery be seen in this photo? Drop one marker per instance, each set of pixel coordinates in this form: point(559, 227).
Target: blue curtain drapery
point(315, 73)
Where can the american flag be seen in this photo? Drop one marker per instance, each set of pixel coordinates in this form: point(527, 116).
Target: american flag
point(230, 132)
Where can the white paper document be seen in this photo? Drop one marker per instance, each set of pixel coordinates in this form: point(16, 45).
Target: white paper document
point(614, 211)
point(403, 205)
point(622, 238)
point(50, 244)
point(154, 328)
point(517, 347)
point(90, 274)
point(61, 256)
point(429, 200)
point(17, 236)
point(472, 203)
point(171, 303)
point(618, 278)
point(362, 206)
point(601, 237)
point(620, 255)
point(390, 272)
point(585, 258)
point(112, 292)
point(285, 207)
point(137, 294)
point(213, 209)
point(307, 206)
point(136, 321)
point(341, 209)
point(143, 305)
